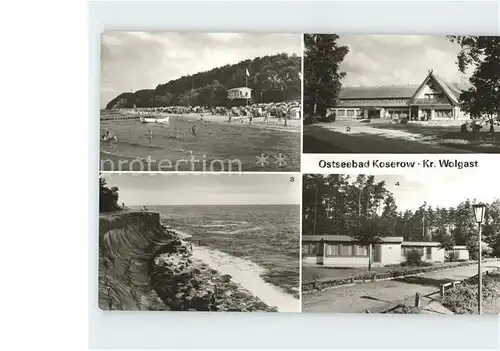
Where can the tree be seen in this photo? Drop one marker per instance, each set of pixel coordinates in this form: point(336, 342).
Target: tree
point(481, 53)
point(390, 216)
point(275, 76)
point(108, 197)
point(445, 238)
point(368, 233)
point(322, 75)
point(491, 229)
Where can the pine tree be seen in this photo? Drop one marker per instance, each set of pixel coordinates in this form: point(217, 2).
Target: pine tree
point(482, 53)
point(322, 75)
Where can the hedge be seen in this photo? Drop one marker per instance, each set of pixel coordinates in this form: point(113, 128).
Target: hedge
point(375, 276)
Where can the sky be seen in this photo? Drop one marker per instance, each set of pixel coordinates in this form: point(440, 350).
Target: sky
point(398, 59)
point(132, 61)
point(205, 189)
point(441, 189)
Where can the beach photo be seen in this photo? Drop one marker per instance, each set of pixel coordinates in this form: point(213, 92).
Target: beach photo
point(401, 94)
point(401, 244)
point(199, 242)
point(224, 102)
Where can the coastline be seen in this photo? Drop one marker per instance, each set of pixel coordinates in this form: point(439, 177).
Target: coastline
point(185, 283)
point(240, 278)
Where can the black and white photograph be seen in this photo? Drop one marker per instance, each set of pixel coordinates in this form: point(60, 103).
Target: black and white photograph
point(401, 244)
point(223, 102)
point(401, 94)
point(199, 242)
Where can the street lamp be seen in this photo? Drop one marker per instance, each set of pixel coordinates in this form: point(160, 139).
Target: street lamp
point(479, 210)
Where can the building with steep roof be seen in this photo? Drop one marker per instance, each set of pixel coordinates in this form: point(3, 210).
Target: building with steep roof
point(433, 99)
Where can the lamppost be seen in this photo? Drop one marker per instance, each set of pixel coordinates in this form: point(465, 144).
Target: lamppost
point(479, 210)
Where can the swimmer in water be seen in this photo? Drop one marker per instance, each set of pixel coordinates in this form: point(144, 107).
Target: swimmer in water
point(193, 130)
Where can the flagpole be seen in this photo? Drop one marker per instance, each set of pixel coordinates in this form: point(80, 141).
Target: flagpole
point(246, 82)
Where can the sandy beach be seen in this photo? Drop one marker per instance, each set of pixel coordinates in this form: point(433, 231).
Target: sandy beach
point(189, 144)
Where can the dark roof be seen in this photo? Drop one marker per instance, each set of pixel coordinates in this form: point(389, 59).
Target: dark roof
point(345, 238)
point(421, 243)
point(399, 91)
point(378, 92)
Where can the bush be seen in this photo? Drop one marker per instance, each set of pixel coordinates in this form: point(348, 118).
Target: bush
point(330, 117)
point(413, 258)
point(452, 257)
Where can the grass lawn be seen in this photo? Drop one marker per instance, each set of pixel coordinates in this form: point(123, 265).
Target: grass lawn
point(447, 135)
point(463, 299)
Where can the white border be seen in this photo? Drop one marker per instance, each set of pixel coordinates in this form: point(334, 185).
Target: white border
point(158, 330)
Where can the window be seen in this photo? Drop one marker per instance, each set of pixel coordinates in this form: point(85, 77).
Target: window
point(332, 250)
point(359, 113)
point(345, 249)
point(340, 113)
point(428, 253)
point(350, 113)
point(444, 113)
point(360, 250)
point(311, 249)
point(407, 249)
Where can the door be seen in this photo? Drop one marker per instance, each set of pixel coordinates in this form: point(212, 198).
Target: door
point(377, 254)
point(320, 253)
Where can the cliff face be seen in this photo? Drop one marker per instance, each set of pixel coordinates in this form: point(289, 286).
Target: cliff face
point(128, 242)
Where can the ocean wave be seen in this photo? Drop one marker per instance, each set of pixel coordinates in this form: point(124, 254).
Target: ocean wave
point(248, 275)
point(180, 234)
point(237, 231)
point(229, 222)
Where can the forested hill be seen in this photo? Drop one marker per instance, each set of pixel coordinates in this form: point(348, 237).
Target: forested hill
point(272, 78)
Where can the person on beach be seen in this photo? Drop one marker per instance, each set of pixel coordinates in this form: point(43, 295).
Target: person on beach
point(106, 136)
point(150, 135)
point(193, 130)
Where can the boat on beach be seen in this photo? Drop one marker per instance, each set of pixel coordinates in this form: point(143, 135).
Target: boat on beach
point(155, 120)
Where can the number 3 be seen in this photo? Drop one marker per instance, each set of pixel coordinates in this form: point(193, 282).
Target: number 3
point(292, 179)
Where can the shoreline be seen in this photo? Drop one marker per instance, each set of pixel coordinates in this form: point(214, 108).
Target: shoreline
point(242, 121)
point(198, 278)
point(187, 284)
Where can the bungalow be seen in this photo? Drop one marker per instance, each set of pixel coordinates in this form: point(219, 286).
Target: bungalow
point(433, 99)
point(343, 251)
point(429, 251)
point(460, 252)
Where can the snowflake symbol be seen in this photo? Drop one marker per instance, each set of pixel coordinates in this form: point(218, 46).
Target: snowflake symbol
point(262, 160)
point(280, 160)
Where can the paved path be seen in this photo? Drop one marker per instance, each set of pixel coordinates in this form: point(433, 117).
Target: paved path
point(329, 138)
point(359, 297)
